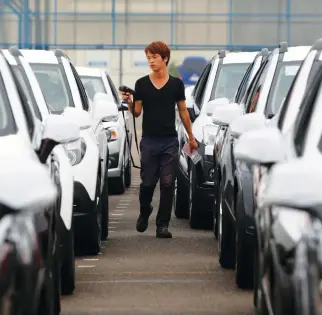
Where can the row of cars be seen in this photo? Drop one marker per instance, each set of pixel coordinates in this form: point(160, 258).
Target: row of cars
point(63, 148)
point(259, 177)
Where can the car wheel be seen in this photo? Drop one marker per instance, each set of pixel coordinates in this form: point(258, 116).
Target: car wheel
point(226, 237)
point(92, 239)
point(68, 267)
point(105, 210)
point(180, 200)
point(119, 183)
point(128, 173)
point(194, 214)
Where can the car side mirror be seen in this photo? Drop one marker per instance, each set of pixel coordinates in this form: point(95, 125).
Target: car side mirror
point(264, 146)
point(103, 108)
point(210, 107)
point(223, 115)
point(78, 116)
point(295, 183)
point(57, 130)
point(27, 178)
point(247, 122)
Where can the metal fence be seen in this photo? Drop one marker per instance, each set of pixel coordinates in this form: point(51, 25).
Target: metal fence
point(184, 24)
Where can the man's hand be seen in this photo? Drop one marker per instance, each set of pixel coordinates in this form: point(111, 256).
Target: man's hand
point(127, 97)
point(193, 144)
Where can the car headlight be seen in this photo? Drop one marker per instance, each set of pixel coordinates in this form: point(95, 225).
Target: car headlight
point(112, 133)
point(76, 153)
point(209, 134)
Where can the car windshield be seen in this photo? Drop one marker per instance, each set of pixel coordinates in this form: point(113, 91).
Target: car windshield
point(93, 85)
point(54, 86)
point(282, 81)
point(7, 122)
point(228, 79)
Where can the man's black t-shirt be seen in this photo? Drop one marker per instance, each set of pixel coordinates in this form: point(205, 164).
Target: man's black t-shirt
point(159, 105)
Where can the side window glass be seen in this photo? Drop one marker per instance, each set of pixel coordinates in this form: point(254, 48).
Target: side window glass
point(201, 88)
point(254, 95)
point(243, 84)
point(306, 109)
point(81, 89)
point(201, 78)
point(113, 89)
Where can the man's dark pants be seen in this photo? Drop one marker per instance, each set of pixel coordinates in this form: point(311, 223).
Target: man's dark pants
point(159, 159)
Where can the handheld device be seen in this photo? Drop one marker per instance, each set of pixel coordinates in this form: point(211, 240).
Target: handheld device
point(125, 89)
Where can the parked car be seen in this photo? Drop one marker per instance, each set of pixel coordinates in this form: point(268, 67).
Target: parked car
point(220, 78)
point(22, 130)
point(22, 271)
point(119, 170)
point(288, 216)
point(29, 85)
point(236, 210)
point(220, 134)
point(65, 94)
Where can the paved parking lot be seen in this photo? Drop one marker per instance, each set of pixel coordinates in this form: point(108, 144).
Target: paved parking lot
point(139, 274)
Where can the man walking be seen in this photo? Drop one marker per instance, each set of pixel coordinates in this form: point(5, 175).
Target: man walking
point(158, 93)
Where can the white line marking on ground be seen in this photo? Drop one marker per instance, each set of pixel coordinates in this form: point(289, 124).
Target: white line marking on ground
point(116, 214)
point(114, 222)
point(90, 259)
point(91, 266)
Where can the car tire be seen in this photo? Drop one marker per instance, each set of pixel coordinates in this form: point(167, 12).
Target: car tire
point(226, 238)
point(92, 239)
point(68, 266)
point(180, 200)
point(118, 186)
point(105, 210)
point(128, 173)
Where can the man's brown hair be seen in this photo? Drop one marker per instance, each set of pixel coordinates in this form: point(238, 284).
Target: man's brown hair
point(159, 48)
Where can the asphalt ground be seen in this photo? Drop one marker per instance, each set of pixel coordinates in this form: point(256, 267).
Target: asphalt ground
point(138, 274)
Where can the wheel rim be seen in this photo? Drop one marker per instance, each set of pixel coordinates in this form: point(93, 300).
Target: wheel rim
point(220, 223)
point(190, 192)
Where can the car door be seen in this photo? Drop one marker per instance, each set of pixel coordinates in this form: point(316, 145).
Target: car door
point(98, 127)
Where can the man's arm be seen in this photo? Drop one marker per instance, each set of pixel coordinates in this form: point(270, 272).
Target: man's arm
point(136, 111)
point(185, 117)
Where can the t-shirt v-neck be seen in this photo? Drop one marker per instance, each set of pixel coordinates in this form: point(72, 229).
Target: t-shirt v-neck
point(159, 105)
point(159, 89)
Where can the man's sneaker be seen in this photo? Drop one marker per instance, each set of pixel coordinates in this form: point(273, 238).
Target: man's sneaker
point(163, 232)
point(143, 221)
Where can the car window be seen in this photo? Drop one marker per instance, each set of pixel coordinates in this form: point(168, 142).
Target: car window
point(54, 86)
point(295, 94)
point(200, 89)
point(228, 78)
point(282, 81)
point(302, 121)
point(243, 84)
point(257, 85)
point(24, 83)
point(93, 85)
point(81, 89)
point(113, 89)
point(7, 123)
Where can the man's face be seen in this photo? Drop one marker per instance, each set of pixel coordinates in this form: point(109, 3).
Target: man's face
point(155, 61)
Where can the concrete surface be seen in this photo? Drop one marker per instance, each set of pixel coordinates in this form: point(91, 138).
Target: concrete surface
point(139, 274)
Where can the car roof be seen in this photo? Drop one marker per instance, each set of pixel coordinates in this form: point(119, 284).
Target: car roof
point(240, 57)
point(294, 53)
point(10, 58)
point(89, 71)
point(39, 56)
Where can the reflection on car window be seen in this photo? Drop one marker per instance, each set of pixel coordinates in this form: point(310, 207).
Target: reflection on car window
point(54, 86)
point(93, 85)
point(229, 78)
point(7, 122)
point(283, 78)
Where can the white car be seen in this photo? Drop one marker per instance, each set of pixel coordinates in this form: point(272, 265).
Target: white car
point(98, 81)
point(65, 93)
point(218, 83)
point(22, 131)
point(288, 220)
